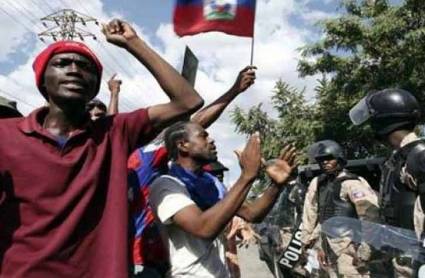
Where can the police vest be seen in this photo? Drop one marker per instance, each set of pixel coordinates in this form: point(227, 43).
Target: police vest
point(397, 200)
point(329, 200)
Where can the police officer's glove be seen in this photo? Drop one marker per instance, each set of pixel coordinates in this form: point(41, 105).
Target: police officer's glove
point(304, 257)
point(364, 252)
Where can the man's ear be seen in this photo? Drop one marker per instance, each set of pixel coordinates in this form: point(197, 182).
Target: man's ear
point(182, 145)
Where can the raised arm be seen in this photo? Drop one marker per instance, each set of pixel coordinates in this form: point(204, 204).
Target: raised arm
point(184, 100)
point(279, 171)
point(114, 86)
point(208, 224)
point(209, 114)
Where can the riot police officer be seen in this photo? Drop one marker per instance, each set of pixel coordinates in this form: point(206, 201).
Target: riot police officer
point(337, 192)
point(393, 115)
point(415, 169)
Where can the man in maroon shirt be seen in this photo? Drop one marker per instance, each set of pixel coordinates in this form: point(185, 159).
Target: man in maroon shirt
point(63, 187)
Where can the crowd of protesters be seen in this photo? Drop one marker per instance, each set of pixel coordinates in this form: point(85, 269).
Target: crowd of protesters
point(141, 194)
point(67, 214)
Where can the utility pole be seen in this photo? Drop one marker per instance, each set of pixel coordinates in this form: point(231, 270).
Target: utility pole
point(66, 25)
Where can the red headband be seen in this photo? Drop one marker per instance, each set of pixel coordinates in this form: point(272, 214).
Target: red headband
point(40, 62)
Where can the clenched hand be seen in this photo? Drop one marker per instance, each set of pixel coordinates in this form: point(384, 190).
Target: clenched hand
point(119, 32)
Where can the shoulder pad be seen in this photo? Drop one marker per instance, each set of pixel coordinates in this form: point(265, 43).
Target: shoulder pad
point(348, 176)
point(417, 144)
point(415, 162)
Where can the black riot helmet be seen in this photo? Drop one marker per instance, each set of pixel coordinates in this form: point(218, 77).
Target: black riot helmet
point(322, 150)
point(388, 110)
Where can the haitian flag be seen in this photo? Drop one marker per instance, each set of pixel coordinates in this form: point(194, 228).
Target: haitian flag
point(234, 17)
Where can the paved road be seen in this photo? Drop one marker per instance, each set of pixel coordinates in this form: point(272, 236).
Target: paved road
point(251, 265)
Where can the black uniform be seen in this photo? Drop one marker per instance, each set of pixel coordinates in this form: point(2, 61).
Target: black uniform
point(397, 199)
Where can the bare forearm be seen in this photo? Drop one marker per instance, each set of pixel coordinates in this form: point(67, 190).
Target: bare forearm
point(173, 84)
point(113, 104)
point(255, 211)
point(209, 114)
point(214, 220)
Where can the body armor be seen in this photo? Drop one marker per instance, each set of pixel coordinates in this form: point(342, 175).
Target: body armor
point(396, 200)
point(330, 205)
point(329, 200)
point(415, 166)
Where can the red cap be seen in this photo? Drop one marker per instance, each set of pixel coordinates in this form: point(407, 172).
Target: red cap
point(40, 62)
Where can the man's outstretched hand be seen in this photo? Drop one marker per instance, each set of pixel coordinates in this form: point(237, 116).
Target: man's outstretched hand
point(119, 32)
point(245, 79)
point(250, 157)
point(279, 170)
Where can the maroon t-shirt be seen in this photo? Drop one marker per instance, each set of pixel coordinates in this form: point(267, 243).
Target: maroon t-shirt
point(64, 209)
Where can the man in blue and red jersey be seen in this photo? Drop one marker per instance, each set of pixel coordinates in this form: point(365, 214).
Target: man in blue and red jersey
point(150, 257)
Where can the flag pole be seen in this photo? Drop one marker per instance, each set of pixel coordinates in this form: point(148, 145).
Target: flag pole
point(253, 34)
point(252, 50)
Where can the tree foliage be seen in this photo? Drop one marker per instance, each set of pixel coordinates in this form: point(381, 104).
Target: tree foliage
point(373, 46)
point(295, 123)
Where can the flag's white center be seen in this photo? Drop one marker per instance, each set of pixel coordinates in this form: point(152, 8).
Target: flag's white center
point(220, 9)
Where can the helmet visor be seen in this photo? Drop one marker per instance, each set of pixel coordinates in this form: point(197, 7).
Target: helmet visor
point(360, 113)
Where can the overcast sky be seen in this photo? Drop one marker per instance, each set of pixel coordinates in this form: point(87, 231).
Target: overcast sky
point(282, 26)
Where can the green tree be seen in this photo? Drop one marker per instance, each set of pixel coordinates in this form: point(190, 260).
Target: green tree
point(295, 123)
point(372, 46)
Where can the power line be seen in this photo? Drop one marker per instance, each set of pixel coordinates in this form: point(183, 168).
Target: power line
point(126, 58)
point(67, 5)
point(72, 20)
point(132, 71)
point(118, 64)
point(114, 60)
point(83, 7)
point(18, 100)
point(67, 22)
point(48, 5)
point(39, 7)
point(21, 10)
point(16, 21)
point(109, 72)
point(122, 102)
point(129, 69)
point(24, 11)
point(19, 84)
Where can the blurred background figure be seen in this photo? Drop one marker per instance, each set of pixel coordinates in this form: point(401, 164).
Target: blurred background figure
point(8, 109)
point(98, 109)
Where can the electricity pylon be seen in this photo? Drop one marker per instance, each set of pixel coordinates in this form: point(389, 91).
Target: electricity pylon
point(66, 21)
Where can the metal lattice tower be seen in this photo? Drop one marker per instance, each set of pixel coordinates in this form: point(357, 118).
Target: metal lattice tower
point(66, 21)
